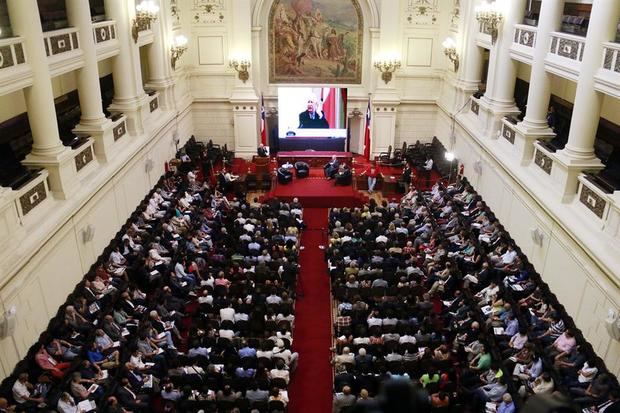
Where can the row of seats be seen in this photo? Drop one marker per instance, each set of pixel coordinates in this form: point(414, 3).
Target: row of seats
point(190, 307)
point(433, 290)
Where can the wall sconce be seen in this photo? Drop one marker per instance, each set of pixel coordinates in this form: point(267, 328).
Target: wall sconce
point(146, 13)
point(490, 15)
point(449, 49)
point(387, 67)
point(179, 46)
point(241, 66)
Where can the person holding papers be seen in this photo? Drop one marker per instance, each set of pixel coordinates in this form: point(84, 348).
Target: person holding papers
point(79, 389)
point(48, 363)
point(101, 361)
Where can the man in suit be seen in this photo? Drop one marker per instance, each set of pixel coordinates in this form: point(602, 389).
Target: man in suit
point(311, 118)
point(262, 151)
point(130, 398)
point(331, 168)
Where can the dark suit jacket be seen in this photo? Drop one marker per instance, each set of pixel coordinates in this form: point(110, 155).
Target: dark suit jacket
point(305, 122)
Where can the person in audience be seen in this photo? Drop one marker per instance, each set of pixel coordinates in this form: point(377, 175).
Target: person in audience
point(22, 393)
point(343, 399)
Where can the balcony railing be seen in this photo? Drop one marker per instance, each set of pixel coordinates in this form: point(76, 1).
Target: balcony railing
point(611, 57)
point(104, 31)
point(11, 52)
point(567, 46)
point(15, 73)
point(61, 41)
point(525, 35)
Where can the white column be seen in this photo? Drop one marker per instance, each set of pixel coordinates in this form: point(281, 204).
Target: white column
point(39, 96)
point(471, 54)
point(89, 90)
point(502, 69)
point(159, 59)
point(578, 154)
point(92, 122)
point(129, 96)
point(243, 99)
point(540, 83)
point(386, 98)
point(587, 109)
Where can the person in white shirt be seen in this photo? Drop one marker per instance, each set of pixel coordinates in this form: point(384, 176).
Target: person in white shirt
point(428, 165)
point(227, 314)
point(21, 391)
point(486, 294)
point(66, 404)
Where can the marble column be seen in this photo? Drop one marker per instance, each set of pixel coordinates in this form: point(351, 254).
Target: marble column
point(39, 96)
point(539, 93)
point(386, 99)
point(470, 72)
point(578, 154)
point(243, 99)
point(498, 100)
point(160, 70)
point(602, 28)
point(534, 126)
point(47, 150)
point(92, 122)
point(129, 96)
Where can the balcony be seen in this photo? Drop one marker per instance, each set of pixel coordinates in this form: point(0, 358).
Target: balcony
point(508, 129)
point(14, 70)
point(474, 106)
point(608, 77)
point(593, 195)
point(543, 156)
point(63, 50)
point(524, 42)
point(565, 55)
point(106, 42)
point(33, 194)
point(483, 37)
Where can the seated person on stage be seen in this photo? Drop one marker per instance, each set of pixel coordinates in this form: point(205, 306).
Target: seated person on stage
point(331, 167)
point(343, 173)
point(262, 151)
point(312, 117)
point(427, 168)
point(371, 173)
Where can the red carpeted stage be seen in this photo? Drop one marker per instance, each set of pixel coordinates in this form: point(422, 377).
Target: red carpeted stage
point(318, 192)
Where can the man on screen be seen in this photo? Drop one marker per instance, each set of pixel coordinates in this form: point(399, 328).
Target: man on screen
point(311, 118)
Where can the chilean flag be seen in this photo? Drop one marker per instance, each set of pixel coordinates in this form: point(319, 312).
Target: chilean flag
point(263, 126)
point(367, 133)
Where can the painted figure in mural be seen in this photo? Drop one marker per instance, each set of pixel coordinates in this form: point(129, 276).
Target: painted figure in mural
point(315, 41)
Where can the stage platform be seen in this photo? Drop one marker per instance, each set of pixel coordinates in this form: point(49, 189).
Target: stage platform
point(295, 143)
point(318, 192)
point(313, 158)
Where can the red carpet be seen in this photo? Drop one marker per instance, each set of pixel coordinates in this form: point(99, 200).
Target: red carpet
point(311, 386)
point(318, 192)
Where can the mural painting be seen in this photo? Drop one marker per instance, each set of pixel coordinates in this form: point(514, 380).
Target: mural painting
point(315, 41)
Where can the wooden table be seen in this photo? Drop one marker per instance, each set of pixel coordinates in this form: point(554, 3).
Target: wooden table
point(313, 158)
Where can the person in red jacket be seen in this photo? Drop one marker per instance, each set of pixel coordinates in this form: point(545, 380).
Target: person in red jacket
point(371, 173)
